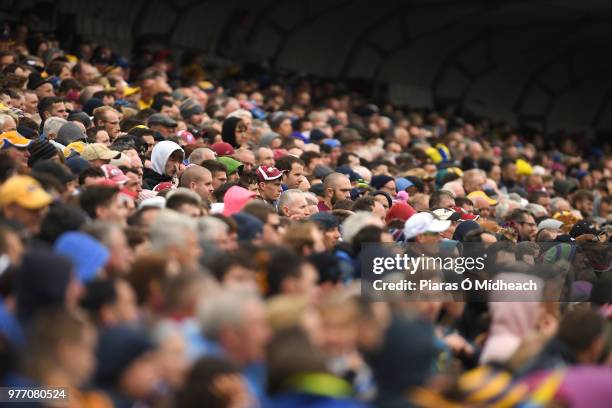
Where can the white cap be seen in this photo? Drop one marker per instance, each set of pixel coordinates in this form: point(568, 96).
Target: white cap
point(157, 202)
point(424, 222)
point(549, 223)
point(217, 208)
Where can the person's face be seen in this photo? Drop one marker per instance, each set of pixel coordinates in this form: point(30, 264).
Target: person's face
point(19, 102)
point(331, 238)
point(134, 182)
point(270, 190)
point(190, 253)
point(389, 188)
point(255, 331)
point(307, 283)
point(150, 141)
point(544, 201)
point(241, 134)
point(219, 178)
point(111, 124)
point(240, 277)
point(139, 380)
point(271, 230)
point(121, 256)
point(484, 210)
point(339, 331)
point(297, 209)
point(6, 60)
point(31, 103)
point(45, 90)
point(116, 211)
point(509, 172)
point(204, 186)
point(527, 228)
point(102, 137)
point(379, 211)
point(383, 201)
point(342, 190)
point(20, 155)
point(125, 309)
point(585, 207)
point(173, 163)
point(285, 128)
point(447, 202)
point(30, 219)
point(266, 157)
point(190, 210)
point(295, 176)
point(79, 358)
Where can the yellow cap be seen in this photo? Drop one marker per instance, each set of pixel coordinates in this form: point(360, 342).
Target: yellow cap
point(523, 168)
point(482, 194)
point(131, 90)
point(77, 146)
point(14, 139)
point(25, 192)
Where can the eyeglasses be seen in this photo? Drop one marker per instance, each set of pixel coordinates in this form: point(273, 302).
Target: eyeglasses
point(531, 224)
point(241, 130)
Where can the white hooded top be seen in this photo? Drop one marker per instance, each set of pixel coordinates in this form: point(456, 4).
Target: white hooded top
point(160, 154)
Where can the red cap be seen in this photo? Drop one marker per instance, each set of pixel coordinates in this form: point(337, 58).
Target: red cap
point(278, 153)
point(114, 174)
point(268, 173)
point(466, 216)
point(222, 148)
point(166, 185)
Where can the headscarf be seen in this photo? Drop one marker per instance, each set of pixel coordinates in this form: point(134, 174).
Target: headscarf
point(228, 132)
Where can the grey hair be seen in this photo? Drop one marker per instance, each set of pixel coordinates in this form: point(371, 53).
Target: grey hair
point(169, 228)
point(197, 156)
point(287, 197)
point(210, 227)
point(536, 210)
point(354, 223)
point(224, 309)
point(503, 208)
point(241, 113)
point(4, 117)
point(53, 125)
point(554, 204)
point(101, 230)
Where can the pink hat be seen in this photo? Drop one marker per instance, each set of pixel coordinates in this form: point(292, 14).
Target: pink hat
point(268, 173)
point(114, 174)
point(222, 148)
point(186, 136)
point(165, 185)
point(235, 198)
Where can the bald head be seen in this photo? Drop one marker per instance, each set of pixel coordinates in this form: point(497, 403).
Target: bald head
point(198, 179)
point(200, 154)
point(337, 187)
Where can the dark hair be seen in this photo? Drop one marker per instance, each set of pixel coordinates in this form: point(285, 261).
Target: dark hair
point(461, 201)
point(176, 201)
point(307, 157)
point(97, 196)
point(219, 193)
point(518, 215)
point(283, 264)
point(370, 233)
point(198, 388)
point(286, 162)
point(364, 204)
point(99, 293)
point(61, 218)
point(214, 166)
point(259, 209)
point(90, 172)
point(45, 104)
point(579, 328)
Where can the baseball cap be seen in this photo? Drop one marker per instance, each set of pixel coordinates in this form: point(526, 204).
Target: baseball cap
point(480, 193)
point(165, 185)
point(423, 222)
point(550, 223)
point(466, 216)
point(446, 214)
point(402, 183)
point(268, 173)
point(14, 139)
point(96, 151)
point(222, 148)
point(161, 119)
point(25, 192)
point(114, 174)
point(583, 227)
point(231, 164)
point(186, 136)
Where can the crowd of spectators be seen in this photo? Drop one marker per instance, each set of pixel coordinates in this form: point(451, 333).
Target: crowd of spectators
point(175, 236)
